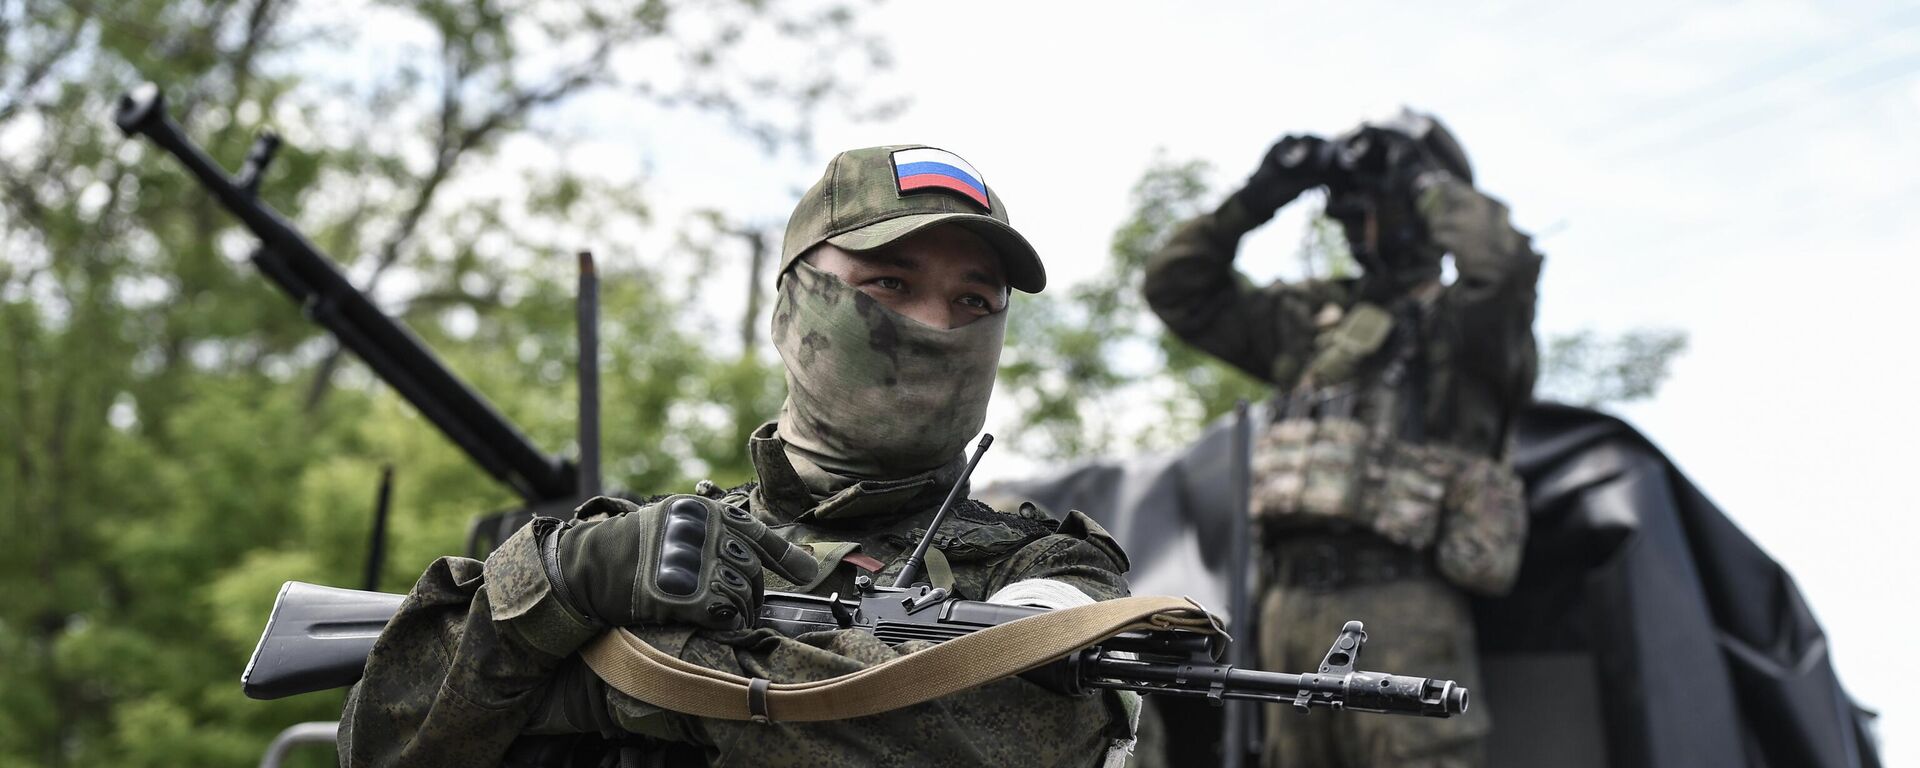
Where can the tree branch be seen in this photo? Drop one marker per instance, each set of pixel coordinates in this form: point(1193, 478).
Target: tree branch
point(451, 145)
point(259, 20)
point(38, 70)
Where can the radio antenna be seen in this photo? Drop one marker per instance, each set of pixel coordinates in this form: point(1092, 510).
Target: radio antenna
point(911, 570)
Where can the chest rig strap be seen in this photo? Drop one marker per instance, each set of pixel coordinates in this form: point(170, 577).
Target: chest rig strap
point(1369, 357)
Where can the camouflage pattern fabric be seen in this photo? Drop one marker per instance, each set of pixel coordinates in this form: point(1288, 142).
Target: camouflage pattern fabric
point(1345, 346)
point(859, 204)
point(1420, 625)
point(458, 675)
point(1309, 473)
point(1308, 470)
point(920, 393)
point(1345, 465)
point(1485, 528)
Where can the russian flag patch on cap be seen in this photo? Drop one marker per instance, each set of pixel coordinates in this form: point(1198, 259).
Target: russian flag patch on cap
point(925, 168)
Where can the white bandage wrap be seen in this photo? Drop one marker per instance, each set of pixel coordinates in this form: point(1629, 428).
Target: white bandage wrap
point(1041, 593)
point(1053, 594)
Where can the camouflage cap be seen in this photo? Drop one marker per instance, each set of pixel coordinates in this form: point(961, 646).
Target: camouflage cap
point(871, 197)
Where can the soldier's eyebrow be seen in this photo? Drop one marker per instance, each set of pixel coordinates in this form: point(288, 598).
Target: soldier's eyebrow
point(986, 279)
point(890, 258)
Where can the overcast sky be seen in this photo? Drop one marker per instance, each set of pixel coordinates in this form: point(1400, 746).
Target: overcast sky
point(1742, 172)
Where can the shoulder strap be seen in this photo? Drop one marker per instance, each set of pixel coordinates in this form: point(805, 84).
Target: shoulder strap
point(639, 670)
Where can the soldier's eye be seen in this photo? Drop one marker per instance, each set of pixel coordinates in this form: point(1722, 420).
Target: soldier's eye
point(890, 283)
point(976, 301)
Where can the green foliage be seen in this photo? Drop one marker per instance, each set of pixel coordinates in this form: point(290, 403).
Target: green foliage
point(1071, 364)
point(1586, 368)
point(176, 440)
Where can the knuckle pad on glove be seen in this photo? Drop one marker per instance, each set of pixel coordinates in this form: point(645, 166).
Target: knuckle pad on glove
point(734, 551)
point(683, 541)
point(739, 515)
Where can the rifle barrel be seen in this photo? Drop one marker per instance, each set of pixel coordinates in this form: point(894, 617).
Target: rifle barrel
point(1362, 691)
point(387, 346)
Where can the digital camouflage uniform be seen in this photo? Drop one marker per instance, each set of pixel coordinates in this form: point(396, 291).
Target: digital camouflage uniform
point(454, 680)
point(1380, 491)
point(474, 670)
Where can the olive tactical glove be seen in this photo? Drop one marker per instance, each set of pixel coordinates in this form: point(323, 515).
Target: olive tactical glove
point(684, 560)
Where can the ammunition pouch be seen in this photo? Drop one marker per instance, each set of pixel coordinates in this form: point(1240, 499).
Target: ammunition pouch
point(1306, 470)
point(1343, 349)
point(1333, 473)
point(1485, 529)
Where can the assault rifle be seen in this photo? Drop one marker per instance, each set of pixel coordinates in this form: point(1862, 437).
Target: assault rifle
point(319, 637)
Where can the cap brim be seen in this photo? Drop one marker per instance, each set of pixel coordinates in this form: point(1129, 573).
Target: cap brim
point(1017, 257)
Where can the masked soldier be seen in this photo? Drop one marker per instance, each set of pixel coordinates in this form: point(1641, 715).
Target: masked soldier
point(895, 279)
point(1381, 490)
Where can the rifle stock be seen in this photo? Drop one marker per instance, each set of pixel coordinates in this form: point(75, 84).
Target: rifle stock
point(316, 638)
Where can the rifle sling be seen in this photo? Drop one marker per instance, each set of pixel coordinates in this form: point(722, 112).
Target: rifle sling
point(644, 672)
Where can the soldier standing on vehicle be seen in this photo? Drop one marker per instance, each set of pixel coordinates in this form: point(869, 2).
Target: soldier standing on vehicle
point(894, 286)
point(1381, 490)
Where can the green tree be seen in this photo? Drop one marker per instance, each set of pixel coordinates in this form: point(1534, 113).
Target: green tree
point(1591, 369)
point(175, 440)
point(1076, 361)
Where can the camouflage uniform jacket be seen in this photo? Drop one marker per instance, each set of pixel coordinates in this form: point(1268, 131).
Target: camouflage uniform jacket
point(460, 673)
point(1477, 340)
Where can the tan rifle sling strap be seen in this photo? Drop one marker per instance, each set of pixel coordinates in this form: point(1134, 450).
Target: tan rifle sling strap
point(646, 673)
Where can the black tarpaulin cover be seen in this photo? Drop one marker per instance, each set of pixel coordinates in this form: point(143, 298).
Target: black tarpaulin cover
point(1704, 651)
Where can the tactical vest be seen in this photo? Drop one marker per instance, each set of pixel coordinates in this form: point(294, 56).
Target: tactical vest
point(1348, 449)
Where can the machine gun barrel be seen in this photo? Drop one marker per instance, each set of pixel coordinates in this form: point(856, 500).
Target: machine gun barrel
point(394, 353)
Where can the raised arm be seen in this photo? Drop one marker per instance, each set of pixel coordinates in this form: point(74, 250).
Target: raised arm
point(1491, 303)
point(1192, 285)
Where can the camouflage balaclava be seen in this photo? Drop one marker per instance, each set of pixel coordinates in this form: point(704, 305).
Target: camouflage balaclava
point(871, 393)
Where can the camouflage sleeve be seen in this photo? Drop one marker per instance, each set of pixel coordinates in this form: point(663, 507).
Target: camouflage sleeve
point(1491, 304)
point(1082, 554)
point(1192, 285)
point(459, 669)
